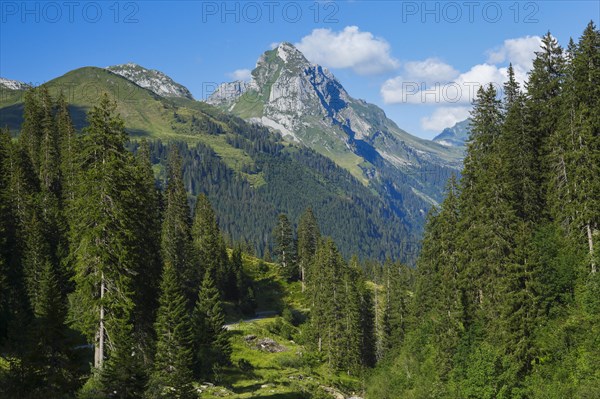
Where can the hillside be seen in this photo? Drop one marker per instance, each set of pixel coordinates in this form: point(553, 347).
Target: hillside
point(308, 105)
point(268, 359)
point(249, 173)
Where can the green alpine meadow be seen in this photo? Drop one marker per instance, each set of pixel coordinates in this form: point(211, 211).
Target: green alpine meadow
point(277, 238)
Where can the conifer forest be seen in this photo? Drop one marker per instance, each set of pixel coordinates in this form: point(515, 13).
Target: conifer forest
point(231, 262)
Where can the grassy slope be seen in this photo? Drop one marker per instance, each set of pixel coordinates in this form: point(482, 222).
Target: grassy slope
point(145, 114)
point(284, 375)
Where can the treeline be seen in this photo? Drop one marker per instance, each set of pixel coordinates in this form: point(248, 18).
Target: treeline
point(356, 309)
point(506, 298)
point(112, 287)
point(294, 179)
point(369, 221)
point(94, 255)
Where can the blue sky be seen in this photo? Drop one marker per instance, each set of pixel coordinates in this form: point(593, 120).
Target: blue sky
point(417, 60)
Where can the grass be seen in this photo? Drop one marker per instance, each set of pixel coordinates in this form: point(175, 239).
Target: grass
point(292, 374)
point(145, 114)
point(257, 374)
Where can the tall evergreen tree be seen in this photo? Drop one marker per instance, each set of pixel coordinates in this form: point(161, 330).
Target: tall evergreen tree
point(36, 254)
point(146, 206)
point(308, 239)
point(52, 357)
point(176, 238)
point(284, 249)
point(544, 87)
point(103, 249)
point(209, 244)
point(171, 376)
point(488, 217)
point(16, 193)
point(397, 304)
point(351, 353)
point(211, 339)
point(335, 321)
point(584, 133)
point(31, 130)
point(7, 239)
point(68, 144)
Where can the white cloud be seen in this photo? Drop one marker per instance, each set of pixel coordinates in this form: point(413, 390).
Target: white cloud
point(350, 48)
point(434, 82)
point(519, 51)
point(430, 70)
point(444, 117)
point(241, 74)
point(274, 45)
point(461, 90)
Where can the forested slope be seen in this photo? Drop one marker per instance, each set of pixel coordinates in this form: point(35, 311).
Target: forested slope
point(506, 300)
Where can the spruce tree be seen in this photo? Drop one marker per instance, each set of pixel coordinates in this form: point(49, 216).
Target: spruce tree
point(31, 130)
point(103, 248)
point(15, 311)
point(397, 303)
point(584, 131)
point(6, 225)
point(148, 224)
point(284, 249)
point(209, 244)
point(351, 353)
point(543, 100)
point(52, 357)
point(68, 144)
point(211, 339)
point(36, 254)
point(327, 291)
point(171, 376)
point(176, 236)
point(308, 238)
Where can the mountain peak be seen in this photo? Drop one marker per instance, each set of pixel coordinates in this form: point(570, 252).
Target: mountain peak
point(286, 51)
point(455, 136)
point(13, 84)
point(151, 79)
point(307, 104)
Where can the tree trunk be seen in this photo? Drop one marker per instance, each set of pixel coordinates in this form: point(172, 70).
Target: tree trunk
point(99, 350)
point(590, 236)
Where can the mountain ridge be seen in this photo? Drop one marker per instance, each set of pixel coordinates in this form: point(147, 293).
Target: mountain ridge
point(151, 79)
point(405, 173)
point(249, 173)
point(455, 136)
point(308, 105)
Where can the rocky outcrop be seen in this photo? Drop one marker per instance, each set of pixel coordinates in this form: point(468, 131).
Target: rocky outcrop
point(151, 79)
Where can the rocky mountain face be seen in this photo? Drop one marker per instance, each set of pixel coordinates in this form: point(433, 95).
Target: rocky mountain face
point(151, 79)
point(455, 136)
point(13, 84)
point(308, 105)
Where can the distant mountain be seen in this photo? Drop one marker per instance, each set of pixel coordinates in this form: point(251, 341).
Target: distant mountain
point(151, 79)
point(13, 84)
point(249, 173)
point(455, 136)
point(304, 142)
point(307, 104)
